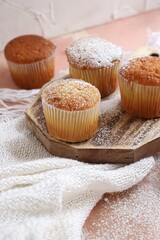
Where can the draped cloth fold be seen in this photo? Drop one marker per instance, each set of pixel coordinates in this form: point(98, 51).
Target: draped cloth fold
point(47, 197)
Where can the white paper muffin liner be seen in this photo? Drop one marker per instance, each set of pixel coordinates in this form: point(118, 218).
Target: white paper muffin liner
point(139, 100)
point(32, 75)
point(105, 79)
point(71, 126)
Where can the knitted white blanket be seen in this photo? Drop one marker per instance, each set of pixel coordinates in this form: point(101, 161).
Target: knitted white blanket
point(44, 197)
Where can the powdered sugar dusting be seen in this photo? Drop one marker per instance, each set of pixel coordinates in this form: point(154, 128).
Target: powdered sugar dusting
point(143, 70)
point(92, 52)
point(71, 95)
point(132, 215)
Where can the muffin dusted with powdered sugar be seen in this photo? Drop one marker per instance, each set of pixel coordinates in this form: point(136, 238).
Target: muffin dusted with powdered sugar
point(96, 61)
point(71, 109)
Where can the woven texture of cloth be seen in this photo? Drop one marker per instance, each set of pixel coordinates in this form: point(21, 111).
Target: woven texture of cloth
point(47, 197)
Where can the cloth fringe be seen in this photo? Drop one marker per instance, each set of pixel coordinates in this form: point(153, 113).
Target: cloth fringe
point(14, 102)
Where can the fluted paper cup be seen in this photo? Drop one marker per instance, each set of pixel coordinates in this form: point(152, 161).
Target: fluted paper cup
point(32, 75)
point(105, 79)
point(71, 126)
point(139, 100)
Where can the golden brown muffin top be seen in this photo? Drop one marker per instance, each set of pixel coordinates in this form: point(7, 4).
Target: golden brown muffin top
point(28, 49)
point(144, 71)
point(71, 95)
point(93, 52)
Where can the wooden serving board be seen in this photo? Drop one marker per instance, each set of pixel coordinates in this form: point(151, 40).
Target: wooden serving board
point(120, 138)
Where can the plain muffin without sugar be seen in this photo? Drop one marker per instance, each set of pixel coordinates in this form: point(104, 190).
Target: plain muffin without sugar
point(31, 60)
point(96, 61)
point(139, 82)
point(71, 109)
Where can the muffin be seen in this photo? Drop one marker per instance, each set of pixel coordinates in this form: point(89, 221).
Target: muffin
point(139, 82)
point(31, 60)
point(96, 61)
point(71, 109)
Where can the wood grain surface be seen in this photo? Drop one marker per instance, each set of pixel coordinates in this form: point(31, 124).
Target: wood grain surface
point(120, 138)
